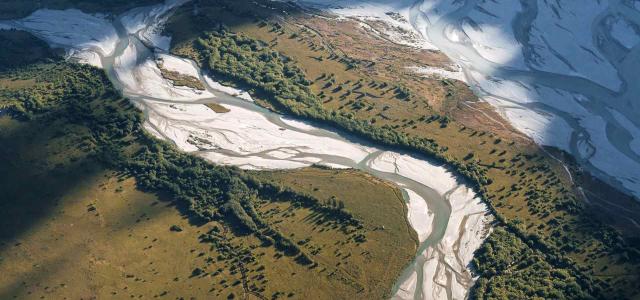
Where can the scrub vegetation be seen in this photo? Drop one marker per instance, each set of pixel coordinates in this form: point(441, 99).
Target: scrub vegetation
point(72, 133)
point(539, 210)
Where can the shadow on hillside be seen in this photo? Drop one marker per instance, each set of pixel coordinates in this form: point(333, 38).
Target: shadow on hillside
point(31, 186)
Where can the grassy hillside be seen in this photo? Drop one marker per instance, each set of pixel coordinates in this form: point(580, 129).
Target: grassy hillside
point(70, 227)
point(82, 216)
point(292, 68)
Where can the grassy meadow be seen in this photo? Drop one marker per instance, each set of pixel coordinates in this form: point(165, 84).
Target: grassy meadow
point(78, 230)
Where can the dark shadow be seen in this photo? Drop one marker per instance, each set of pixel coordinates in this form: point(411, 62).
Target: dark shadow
point(19, 48)
point(31, 185)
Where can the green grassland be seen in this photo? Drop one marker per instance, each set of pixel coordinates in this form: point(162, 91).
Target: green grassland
point(277, 60)
point(93, 207)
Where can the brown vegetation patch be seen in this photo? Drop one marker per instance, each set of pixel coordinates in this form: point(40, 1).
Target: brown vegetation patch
point(16, 84)
point(217, 108)
point(181, 79)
